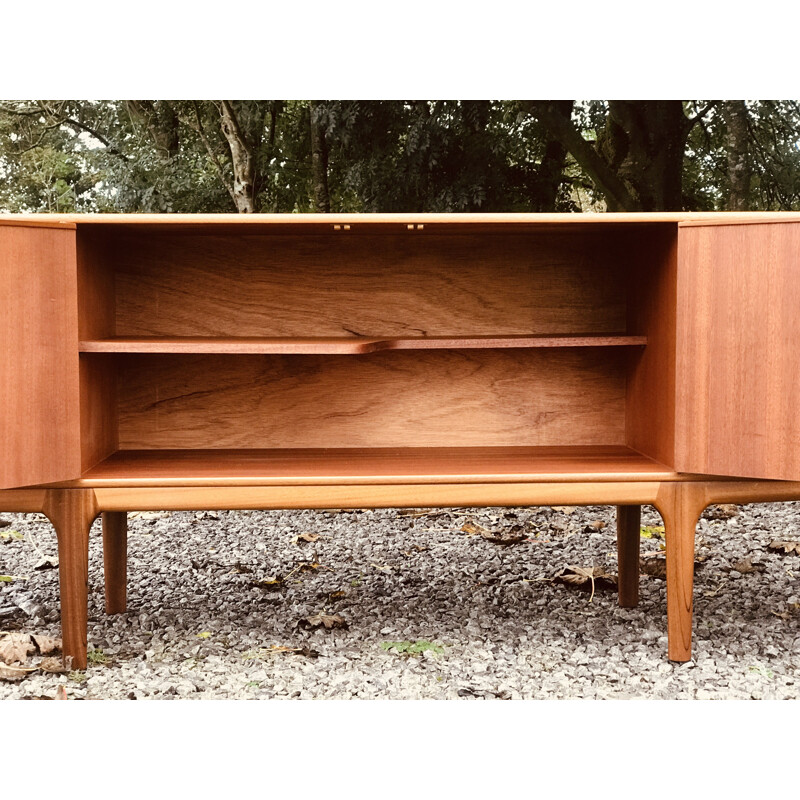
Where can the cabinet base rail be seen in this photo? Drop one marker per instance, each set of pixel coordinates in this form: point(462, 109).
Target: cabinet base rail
point(680, 503)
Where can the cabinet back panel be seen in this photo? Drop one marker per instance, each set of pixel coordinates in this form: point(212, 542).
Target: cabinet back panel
point(366, 285)
point(393, 399)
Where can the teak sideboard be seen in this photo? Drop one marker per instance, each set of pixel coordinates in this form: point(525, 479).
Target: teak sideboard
point(349, 361)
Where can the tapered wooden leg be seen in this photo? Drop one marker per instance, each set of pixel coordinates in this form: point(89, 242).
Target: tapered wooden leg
point(680, 505)
point(72, 512)
point(629, 520)
point(115, 560)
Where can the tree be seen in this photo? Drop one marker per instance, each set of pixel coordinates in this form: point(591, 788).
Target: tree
point(416, 155)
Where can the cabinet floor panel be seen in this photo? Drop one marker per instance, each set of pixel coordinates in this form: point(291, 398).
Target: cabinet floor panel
point(353, 466)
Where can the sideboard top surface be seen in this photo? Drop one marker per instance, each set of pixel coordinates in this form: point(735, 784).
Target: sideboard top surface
point(375, 223)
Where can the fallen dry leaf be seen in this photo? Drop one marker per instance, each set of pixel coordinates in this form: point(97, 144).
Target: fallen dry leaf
point(597, 525)
point(472, 528)
point(12, 673)
point(653, 564)
point(46, 562)
point(271, 584)
point(513, 535)
point(338, 595)
point(564, 509)
point(306, 537)
point(54, 665)
point(785, 547)
point(46, 645)
point(327, 621)
point(723, 511)
point(784, 615)
point(587, 579)
point(746, 565)
point(15, 647)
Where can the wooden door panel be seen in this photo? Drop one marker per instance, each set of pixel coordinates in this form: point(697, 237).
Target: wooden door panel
point(39, 417)
point(738, 350)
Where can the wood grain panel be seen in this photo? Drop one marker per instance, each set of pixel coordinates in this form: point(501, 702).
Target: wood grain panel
point(738, 361)
point(99, 409)
point(346, 345)
point(39, 437)
point(480, 222)
point(385, 286)
point(372, 465)
point(442, 495)
point(652, 300)
point(96, 295)
point(393, 399)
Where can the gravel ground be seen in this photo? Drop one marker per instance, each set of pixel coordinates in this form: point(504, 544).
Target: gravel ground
point(215, 596)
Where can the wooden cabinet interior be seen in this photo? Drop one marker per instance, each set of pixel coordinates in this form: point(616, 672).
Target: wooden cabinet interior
point(202, 340)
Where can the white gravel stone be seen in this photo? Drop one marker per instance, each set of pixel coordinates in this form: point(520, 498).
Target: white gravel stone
point(505, 628)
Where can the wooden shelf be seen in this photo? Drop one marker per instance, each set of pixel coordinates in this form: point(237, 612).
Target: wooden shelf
point(347, 344)
point(354, 466)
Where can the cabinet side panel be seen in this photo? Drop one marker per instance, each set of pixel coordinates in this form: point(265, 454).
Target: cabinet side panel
point(392, 399)
point(653, 266)
point(98, 409)
point(39, 432)
point(739, 368)
point(96, 320)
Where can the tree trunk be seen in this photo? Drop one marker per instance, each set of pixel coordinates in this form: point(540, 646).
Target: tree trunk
point(645, 141)
point(319, 161)
point(637, 160)
point(242, 159)
point(550, 174)
point(734, 115)
point(161, 121)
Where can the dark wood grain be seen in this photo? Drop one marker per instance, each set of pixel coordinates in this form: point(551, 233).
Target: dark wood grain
point(628, 546)
point(428, 398)
point(115, 560)
point(389, 286)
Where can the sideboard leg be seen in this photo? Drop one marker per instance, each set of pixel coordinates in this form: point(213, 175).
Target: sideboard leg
point(629, 520)
point(115, 560)
point(72, 512)
point(681, 505)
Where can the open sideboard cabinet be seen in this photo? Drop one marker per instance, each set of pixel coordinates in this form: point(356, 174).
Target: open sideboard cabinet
point(350, 361)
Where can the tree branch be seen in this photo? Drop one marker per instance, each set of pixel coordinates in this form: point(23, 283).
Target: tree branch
point(615, 191)
point(212, 155)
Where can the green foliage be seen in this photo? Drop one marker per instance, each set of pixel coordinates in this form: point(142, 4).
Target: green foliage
point(413, 648)
point(381, 156)
point(97, 657)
